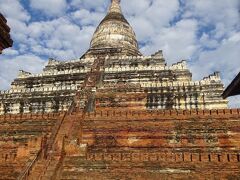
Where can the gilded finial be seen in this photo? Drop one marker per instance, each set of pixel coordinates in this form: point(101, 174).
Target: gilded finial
point(115, 6)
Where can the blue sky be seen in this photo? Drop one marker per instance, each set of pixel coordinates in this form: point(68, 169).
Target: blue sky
point(204, 32)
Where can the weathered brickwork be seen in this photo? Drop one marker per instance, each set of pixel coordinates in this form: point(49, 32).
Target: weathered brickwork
point(156, 145)
point(113, 144)
point(121, 143)
point(21, 138)
point(162, 129)
point(115, 114)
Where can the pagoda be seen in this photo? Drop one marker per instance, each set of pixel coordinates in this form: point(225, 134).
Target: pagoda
point(113, 64)
point(116, 114)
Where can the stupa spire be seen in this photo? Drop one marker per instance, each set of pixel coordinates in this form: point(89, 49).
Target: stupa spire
point(115, 7)
point(114, 31)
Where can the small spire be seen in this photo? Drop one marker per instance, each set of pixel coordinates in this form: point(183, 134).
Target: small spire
point(115, 7)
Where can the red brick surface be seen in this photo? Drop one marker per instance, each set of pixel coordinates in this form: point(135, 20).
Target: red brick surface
point(125, 144)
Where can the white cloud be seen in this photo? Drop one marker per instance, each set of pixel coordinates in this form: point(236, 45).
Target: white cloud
point(17, 18)
point(14, 10)
point(85, 17)
point(224, 59)
point(10, 66)
point(148, 17)
point(18, 30)
point(234, 102)
point(156, 28)
point(59, 38)
point(177, 42)
point(50, 7)
point(96, 5)
point(10, 52)
point(208, 42)
point(204, 31)
point(210, 11)
point(135, 7)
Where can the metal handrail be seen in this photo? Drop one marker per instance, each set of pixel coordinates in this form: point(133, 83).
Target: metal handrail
point(27, 170)
point(56, 130)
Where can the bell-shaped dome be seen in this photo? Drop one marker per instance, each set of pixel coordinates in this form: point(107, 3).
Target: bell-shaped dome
point(115, 32)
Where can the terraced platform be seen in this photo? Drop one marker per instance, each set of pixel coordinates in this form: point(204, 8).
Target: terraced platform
point(21, 139)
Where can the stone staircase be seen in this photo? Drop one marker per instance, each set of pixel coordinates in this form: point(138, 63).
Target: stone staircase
point(20, 141)
point(68, 129)
point(44, 169)
point(47, 165)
